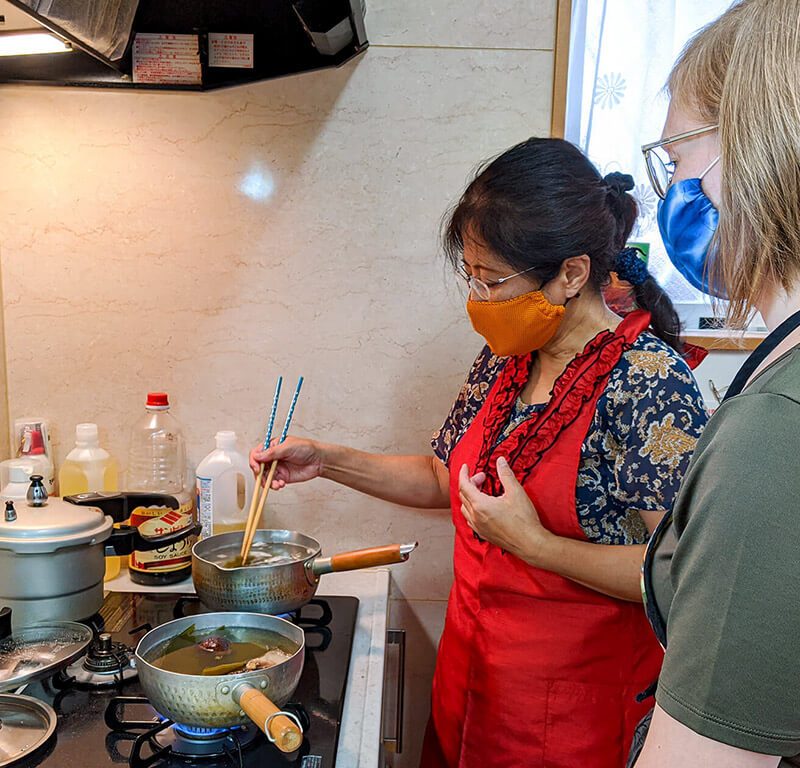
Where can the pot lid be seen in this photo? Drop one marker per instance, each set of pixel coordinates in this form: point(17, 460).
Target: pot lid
point(57, 524)
point(38, 651)
point(26, 725)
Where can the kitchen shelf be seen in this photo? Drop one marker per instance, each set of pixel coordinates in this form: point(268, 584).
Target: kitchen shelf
point(725, 340)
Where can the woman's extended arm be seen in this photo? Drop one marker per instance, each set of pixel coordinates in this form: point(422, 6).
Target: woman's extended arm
point(413, 481)
point(611, 569)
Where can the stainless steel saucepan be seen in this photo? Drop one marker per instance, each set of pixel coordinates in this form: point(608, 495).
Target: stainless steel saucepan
point(222, 701)
point(280, 587)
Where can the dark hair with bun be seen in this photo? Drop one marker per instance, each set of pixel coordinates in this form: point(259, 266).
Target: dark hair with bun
point(541, 202)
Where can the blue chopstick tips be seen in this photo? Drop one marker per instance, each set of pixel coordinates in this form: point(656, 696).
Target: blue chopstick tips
point(291, 410)
point(273, 412)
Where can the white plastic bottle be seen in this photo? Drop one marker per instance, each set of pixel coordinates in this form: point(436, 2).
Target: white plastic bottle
point(88, 467)
point(157, 464)
point(224, 487)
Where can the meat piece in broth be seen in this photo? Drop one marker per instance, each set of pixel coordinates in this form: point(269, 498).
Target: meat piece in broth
point(271, 658)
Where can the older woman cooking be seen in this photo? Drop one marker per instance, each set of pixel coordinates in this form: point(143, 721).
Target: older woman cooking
point(563, 449)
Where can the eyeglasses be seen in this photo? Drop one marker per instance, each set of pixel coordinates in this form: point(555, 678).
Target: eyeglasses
point(660, 169)
point(480, 288)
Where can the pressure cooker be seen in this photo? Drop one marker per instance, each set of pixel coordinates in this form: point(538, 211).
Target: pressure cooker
point(52, 551)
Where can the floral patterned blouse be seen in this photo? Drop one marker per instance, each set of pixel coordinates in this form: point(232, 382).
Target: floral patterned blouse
point(637, 449)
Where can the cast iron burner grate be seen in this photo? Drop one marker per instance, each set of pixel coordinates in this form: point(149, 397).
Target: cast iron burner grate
point(161, 739)
point(190, 605)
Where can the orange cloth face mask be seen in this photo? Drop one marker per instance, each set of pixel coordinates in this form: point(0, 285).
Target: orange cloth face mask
point(516, 326)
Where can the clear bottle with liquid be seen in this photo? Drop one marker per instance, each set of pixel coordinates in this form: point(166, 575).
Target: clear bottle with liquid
point(224, 487)
point(157, 464)
point(88, 467)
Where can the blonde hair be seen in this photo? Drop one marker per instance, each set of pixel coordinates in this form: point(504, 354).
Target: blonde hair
point(743, 73)
point(696, 80)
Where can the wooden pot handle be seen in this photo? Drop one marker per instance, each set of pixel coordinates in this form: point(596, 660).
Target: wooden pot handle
point(278, 728)
point(369, 558)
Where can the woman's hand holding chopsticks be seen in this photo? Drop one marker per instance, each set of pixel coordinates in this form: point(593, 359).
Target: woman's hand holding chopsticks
point(265, 478)
point(298, 460)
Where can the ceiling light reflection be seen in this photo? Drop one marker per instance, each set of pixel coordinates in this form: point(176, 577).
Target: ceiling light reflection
point(258, 184)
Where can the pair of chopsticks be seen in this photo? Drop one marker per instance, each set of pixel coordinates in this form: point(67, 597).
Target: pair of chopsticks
point(260, 493)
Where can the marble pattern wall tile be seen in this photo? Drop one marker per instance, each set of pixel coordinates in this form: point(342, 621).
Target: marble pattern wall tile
point(474, 23)
point(203, 244)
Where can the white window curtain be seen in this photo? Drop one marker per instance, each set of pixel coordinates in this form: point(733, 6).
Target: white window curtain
point(621, 52)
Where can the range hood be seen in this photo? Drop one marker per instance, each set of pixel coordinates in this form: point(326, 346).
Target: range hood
point(179, 44)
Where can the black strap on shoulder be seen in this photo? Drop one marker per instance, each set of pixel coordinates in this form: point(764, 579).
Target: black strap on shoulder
point(647, 692)
point(761, 353)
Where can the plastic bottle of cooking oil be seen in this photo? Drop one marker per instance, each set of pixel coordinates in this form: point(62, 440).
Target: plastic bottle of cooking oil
point(224, 487)
point(90, 468)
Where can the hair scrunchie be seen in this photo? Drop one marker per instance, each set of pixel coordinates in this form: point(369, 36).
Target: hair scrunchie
point(619, 183)
point(630, 267)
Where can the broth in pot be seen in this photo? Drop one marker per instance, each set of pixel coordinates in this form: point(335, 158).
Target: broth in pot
point(265, 553)
point(221, 651)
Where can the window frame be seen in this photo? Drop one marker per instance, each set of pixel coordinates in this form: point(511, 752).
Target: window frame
point(725, 339)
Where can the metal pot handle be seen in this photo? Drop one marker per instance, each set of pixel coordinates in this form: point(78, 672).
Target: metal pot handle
point(126, 538)
point(281, 728)
point(363, 558)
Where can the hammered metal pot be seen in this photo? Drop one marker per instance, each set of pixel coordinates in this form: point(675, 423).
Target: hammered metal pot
point(218, 701)
point(278, 588)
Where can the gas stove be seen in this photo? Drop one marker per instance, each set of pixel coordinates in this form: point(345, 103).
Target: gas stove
point(103, 717)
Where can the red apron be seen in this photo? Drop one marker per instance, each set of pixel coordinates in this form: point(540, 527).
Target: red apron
point(534, 669)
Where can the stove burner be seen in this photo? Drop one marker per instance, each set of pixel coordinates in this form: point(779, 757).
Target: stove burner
point(204, 742)
point(191, 732)
point(159, 738)
point(105, 663)
point(105, 656)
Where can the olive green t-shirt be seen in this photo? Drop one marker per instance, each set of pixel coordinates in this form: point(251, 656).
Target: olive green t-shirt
point(731, 590)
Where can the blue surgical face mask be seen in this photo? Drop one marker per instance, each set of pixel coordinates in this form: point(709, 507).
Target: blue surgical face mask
point(688, 220)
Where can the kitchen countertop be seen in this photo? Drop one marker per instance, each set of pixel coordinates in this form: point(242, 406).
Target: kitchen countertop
point(360, 735)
